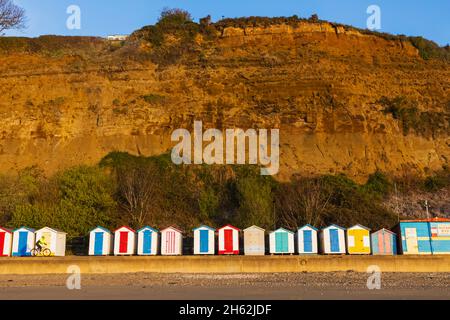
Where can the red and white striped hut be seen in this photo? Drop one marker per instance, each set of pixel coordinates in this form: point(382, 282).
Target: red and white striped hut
point(124, 241)
point(171, 241)
point(5, 242)
point(228, 240)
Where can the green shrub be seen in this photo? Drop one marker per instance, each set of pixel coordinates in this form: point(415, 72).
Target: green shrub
point(428, 124)
point(378, 184)
point(437, 181)
point(429, 49)
point(74, 200)
point(255, 198)
point(154, 98)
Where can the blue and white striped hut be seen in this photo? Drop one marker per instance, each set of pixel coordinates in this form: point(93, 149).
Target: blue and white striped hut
point(281, 241)
point(23, 242)
point(147, 241)
point(332, 240)
point(307, 240)
point(204, 240)
point(100, 242)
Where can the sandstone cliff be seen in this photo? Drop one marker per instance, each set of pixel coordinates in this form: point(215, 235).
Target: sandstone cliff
point(321, 85)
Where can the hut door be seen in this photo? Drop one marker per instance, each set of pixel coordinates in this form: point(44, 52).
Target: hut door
point(281, 242)
point(147, 245)
point(307, 241)
point(359, 240)
point(23, 243)
point(252, 243)
point(412, 246)
point(123, 248)
point(170, 242)
point(228, 239)
point(98, 246)
point(334, 240)
point(204, 237)
point(2, 242)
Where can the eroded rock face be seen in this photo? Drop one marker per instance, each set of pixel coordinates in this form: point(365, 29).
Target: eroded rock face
point(318, 84)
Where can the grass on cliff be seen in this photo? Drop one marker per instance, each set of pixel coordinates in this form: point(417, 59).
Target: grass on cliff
point(424, 123)
point(178, 24)
point(173, 37)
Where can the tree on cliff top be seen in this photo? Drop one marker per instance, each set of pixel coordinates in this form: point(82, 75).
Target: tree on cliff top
point(11, 16)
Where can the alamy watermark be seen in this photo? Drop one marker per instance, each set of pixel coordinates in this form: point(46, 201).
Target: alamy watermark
point(228, 148)
point(374, 280)
point(74, 280)
point(74, 20)
point(374, 20)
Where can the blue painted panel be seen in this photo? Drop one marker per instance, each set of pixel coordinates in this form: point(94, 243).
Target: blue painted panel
point(147, 244)
point(204, 241)
point(421, 228)
point(424, 246)
point(334, 240)
point(441, 246)
point(98, 245)
point(23, 243)
point(394, 244)
point(375, 243)
point(307, 241)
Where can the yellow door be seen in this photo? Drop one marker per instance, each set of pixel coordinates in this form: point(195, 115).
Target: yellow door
point(357, 243)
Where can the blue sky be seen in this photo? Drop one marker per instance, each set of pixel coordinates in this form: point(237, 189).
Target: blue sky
point(430, 19)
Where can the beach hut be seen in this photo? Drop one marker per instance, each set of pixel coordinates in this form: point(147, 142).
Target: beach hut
point(332, 240)
point(124, 241)
point(55, 239)
point(307, 240)
point(5, 242)
point(23, 242)
point(358, 240)
point(384, 242)
point(254, 241)
point(428, 236)
point(204, 240)
point(228, 240)
point(281, 241)
point(147, 241)
point(171, 241)
point(100, 242)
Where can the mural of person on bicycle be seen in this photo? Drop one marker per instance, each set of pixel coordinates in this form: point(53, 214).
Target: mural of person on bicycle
point(41, 243)
point(41, 248)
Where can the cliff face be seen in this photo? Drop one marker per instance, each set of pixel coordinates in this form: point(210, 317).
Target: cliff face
point(320, 85)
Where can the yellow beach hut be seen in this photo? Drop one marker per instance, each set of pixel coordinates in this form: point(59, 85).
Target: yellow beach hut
point(358, 240)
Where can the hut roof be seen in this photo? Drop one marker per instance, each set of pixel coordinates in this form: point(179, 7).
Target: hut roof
point(333, 225)
point(101, 228)
point(6, 230)
point(282, 229)
point(204, 227)
point(308, 225)
point(146, 228)
point(230, 226)
point(126, 227)
point(254, 227)
point(358, 226)
point(428, 220)
point(389, 231)
point(52, 229)
point(173, 228)
point(24, 228)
